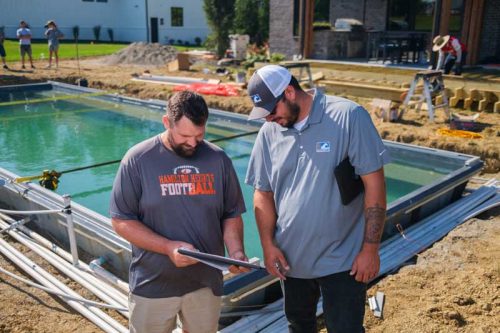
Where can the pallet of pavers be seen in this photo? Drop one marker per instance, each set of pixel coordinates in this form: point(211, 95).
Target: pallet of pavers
point(484, 98)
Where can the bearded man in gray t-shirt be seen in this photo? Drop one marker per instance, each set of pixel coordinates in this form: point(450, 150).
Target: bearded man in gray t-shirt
point(177, 190)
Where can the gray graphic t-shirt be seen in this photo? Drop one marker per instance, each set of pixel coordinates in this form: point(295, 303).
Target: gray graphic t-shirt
point(183, 199)
point(53, 35)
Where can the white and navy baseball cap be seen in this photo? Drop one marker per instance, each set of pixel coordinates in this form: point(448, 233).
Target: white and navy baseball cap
point(266, 88)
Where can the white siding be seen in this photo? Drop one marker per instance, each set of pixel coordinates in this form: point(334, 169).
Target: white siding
point(127, 18)
point(195, 23)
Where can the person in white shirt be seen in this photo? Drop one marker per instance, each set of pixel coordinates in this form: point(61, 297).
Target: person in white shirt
point(453, 49)
point(24, 35)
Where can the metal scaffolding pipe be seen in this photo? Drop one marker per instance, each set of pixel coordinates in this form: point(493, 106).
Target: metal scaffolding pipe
point(95, 268)
point(96, 286)
point(58, 293)
point(95, 315)
point(71, 229)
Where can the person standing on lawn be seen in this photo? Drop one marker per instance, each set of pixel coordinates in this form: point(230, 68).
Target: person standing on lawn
point(24, 36)
point(2, 49)
point(53, 35)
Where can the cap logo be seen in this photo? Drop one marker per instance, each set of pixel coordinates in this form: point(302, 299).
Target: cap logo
point(256, 98)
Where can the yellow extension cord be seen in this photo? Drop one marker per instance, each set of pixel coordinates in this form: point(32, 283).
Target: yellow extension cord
point(52, 99)
point(459, 133)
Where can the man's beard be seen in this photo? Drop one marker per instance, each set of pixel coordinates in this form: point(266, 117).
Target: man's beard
point(293, 113)
point(180, 149)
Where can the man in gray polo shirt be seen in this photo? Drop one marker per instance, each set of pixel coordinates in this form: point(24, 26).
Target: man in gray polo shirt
point(312, 241)
point(177, 190)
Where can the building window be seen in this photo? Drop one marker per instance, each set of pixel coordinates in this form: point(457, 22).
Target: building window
point(101, 0)
point(322, 11)
point(88, 0)
point(456, 15)
point(177, 16)
point(411, 15)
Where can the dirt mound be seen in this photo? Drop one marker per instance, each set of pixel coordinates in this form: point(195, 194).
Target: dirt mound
point(143, 54)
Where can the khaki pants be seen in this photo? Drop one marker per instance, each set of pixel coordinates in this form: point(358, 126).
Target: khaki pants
point(198, 312)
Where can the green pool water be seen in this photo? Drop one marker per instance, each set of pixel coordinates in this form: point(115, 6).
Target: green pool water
point(66, 134)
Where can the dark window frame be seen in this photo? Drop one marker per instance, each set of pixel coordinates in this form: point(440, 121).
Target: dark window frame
point(411, 14)
point(175, 19)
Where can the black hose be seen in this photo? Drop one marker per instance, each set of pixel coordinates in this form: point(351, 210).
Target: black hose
point(226, 138)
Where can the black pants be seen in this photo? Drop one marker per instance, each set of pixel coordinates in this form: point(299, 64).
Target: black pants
point(343, 303)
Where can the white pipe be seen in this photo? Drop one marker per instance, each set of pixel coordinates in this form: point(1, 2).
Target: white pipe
point(15, 225)
point(95, 268)
point(99, 288)
point(116, 294)
point(71, 229)
point(98, 317)
point(66, 296)
point(31, 212)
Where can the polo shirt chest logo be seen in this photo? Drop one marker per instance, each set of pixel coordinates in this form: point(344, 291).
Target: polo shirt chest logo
point(323, 147)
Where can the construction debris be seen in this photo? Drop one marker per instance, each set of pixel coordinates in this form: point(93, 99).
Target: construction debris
point(376, 304)
point(143, 54)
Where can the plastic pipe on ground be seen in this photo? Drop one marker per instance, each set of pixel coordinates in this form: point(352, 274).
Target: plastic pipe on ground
point(58, 293)
point(85, 279)
point(28, 235)
point(98, 317)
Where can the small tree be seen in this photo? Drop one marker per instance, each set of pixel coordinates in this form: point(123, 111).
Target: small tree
point(97, 32)
point(111, 35)
point(263, 17)
point(197, 41)
point(220, 15)
point(246, 17)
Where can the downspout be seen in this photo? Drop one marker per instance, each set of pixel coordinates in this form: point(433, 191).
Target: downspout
point(302, 26)
point(435, 28)
point(147, 22)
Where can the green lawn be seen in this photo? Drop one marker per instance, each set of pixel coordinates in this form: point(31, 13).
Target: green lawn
point(66, 50)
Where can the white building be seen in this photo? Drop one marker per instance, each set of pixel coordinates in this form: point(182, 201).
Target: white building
point(131, 20)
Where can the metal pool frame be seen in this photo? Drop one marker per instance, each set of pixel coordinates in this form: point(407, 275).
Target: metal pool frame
point(96, 237)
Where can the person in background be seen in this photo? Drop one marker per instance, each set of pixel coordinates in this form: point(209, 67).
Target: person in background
point(177, 190)
point(53, 35)
point(312, 239)
point(24, 36)
point(452, 52)
point(2, 49)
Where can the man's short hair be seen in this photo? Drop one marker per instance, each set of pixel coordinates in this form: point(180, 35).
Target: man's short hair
point(188, 104)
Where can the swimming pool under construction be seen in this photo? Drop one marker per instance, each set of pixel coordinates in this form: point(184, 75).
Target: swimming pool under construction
point(54, 126)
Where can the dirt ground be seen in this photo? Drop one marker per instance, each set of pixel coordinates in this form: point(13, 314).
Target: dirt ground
point(453, 287)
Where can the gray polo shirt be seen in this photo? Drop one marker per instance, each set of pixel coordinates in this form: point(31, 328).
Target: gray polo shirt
point(318, 235)
point(183, 199)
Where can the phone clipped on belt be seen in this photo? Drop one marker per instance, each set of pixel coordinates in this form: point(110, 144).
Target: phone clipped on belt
point(349, 183)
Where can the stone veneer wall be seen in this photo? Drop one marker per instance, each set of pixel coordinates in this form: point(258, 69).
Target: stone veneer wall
point(281, 39)
point(326, 44)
